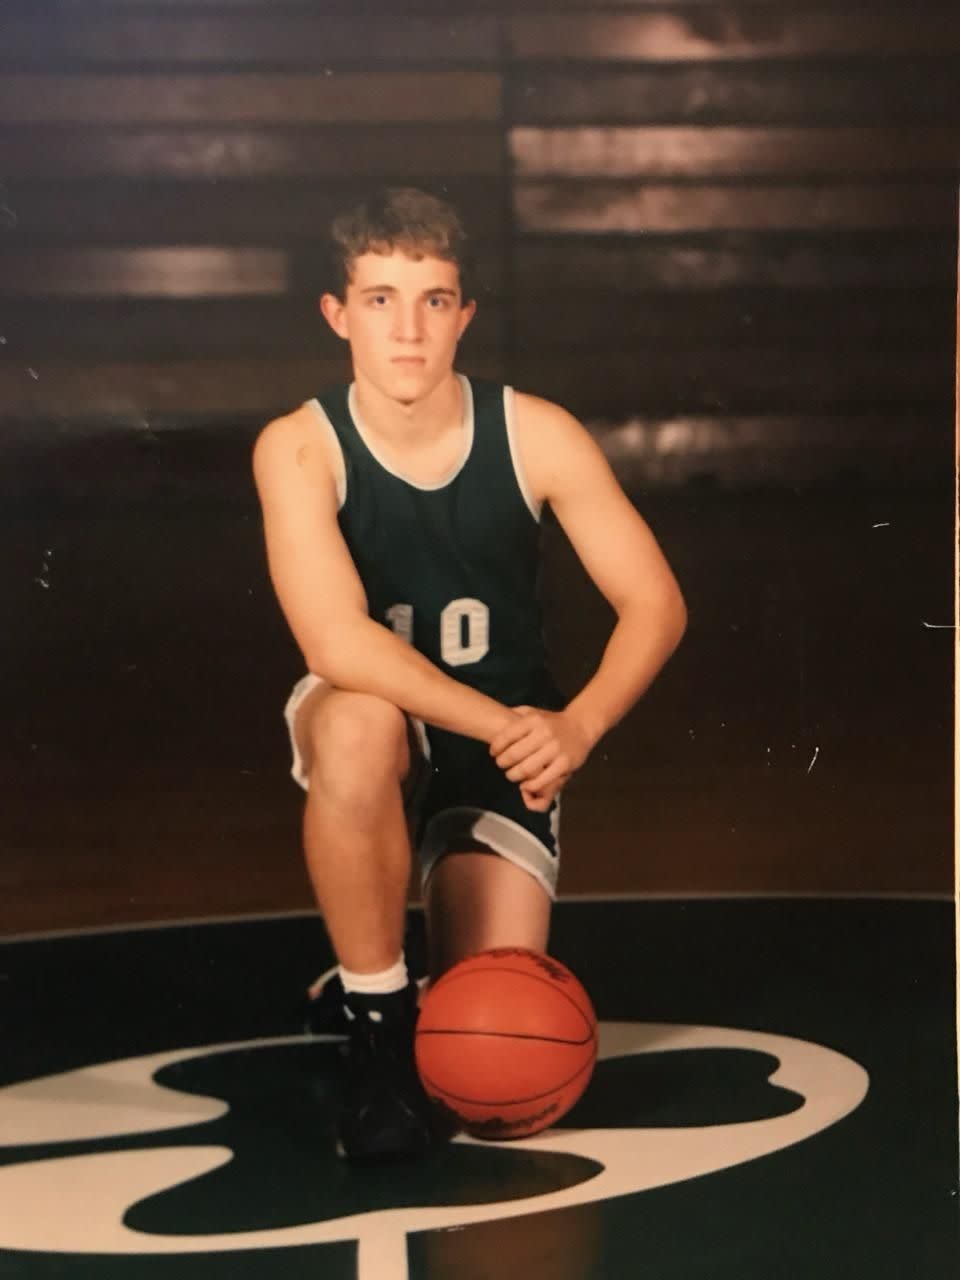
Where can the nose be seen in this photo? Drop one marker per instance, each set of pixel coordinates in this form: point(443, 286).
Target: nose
point(408, 322)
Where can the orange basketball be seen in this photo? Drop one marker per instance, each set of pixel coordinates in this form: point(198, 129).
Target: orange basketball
point(507, 1039)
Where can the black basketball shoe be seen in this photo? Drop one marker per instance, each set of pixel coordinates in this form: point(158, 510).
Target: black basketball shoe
point(322, 1012)
point(322, 1009)
point(385, 1112)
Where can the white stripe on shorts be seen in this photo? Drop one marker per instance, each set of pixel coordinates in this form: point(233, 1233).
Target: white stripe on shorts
point(305, 686)
point(504, 836)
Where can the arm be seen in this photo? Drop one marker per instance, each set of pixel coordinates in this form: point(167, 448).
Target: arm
point(621, 555)
point(323, 600)
point(616, 547)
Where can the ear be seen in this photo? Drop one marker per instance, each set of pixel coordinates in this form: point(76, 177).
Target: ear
point(334, 312)
point(467, 312)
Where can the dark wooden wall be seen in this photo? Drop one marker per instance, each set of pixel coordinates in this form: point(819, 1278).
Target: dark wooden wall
point(723, 234)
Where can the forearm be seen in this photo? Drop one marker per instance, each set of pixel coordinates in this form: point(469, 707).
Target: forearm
point(639, 646)
point(362, 656)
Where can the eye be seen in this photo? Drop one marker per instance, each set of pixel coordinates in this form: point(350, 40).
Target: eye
point(378, 300)
point(438, 303)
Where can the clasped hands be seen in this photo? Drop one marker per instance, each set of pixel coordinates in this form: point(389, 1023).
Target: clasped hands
point(540, 750)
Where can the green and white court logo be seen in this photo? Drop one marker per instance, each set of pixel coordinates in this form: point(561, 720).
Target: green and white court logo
point(229, 1147)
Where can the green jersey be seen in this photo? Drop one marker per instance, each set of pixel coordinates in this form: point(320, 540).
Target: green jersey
point(452, 567)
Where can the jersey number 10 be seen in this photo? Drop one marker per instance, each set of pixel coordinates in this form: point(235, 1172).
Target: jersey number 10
point(464, 629)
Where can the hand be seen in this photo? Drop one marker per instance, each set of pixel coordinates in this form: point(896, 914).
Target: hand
point(540, 750)
point(540, 801)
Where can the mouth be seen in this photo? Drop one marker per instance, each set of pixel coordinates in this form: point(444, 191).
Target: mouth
point(409, 361)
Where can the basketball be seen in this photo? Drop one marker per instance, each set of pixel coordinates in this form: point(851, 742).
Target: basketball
point(507, 1040)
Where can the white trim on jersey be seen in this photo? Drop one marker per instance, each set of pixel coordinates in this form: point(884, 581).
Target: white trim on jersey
point(468, 428)
point(335, 441)
point(509, 413)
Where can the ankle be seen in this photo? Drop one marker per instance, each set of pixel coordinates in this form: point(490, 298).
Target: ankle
point(383, 982)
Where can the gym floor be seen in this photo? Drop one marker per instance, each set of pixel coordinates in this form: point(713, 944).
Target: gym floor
point(757, 870)
point(730, 247)
point(775, 1096)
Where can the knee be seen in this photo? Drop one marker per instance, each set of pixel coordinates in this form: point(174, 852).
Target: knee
point(357, 735)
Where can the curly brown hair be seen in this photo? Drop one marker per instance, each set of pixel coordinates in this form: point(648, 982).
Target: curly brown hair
point(404, 218)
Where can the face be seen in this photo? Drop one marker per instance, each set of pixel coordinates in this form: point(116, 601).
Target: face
point(403, 318)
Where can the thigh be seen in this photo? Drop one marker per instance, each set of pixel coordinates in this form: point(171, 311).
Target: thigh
point(489, 865)
point(472, 805)
point(475, 901)
point(306, 708)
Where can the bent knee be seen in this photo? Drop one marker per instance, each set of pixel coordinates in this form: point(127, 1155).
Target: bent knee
point(357, 730)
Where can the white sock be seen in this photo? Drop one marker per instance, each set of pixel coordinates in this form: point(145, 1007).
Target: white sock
point(376, 984)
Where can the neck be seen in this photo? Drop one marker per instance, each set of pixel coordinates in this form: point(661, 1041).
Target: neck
point(410, 421)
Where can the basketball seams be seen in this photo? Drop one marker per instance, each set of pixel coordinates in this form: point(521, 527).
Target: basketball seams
point(462, 1042)
point(509, 1102)
point(453, 976)
point(501, 1035)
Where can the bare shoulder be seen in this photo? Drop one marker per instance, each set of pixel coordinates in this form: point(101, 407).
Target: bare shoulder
point(291, 450)
point(552, 443)
point(284, 436)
